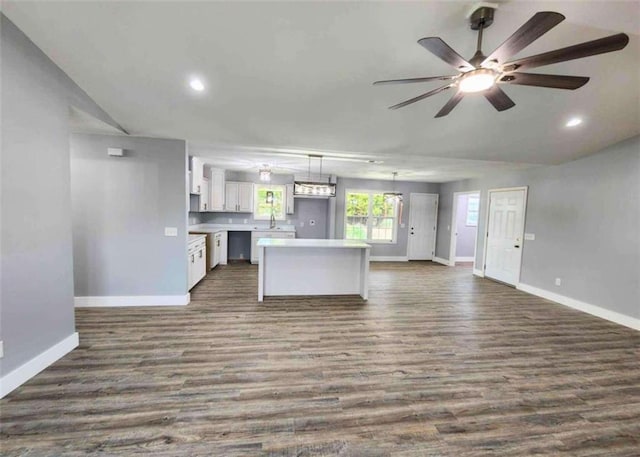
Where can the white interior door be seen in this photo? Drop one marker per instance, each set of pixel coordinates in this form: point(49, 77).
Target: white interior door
point(423, 212)
point(504, 235)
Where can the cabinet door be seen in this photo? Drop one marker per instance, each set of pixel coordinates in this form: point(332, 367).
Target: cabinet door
point(217, 189)
point(255, 236)
point(197, 173)
point(205, 200)
point(289, 198)
point(245, 197)
point(191, 260)
point(217, 248)
point(231, 197)
point(201, 263)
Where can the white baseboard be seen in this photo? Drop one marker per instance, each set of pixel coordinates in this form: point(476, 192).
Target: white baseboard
point(464, 259)
point(134, 300)
point(23, 373)
point(479, 273)
point(389, 258)
point(442, 261)
point(594, 310)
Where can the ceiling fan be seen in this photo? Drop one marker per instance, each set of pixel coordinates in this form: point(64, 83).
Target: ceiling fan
point(486, 73)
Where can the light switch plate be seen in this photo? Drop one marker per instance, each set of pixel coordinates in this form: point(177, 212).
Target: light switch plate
point(403, 225)
point(529, 236)
point(1, 349)
point(171, 231)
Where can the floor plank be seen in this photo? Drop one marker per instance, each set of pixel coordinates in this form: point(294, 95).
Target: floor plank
point(436, 363)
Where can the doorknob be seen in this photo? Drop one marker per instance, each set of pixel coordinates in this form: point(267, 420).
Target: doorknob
point(516, 246)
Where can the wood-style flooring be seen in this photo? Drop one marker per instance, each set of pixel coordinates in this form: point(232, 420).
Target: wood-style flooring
point(436, 363)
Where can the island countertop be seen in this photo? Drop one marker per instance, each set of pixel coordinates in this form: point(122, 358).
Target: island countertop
point(311, 243)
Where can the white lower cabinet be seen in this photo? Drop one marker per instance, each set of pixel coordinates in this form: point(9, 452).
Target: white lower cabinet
point(255, 236)
point(197, 261)
point(217, 249)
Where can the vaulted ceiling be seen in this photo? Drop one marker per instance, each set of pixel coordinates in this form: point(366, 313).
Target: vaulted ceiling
point(286, 78)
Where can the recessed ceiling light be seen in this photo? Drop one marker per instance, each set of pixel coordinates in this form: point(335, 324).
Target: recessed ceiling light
point(196, 85)
point(574, 121)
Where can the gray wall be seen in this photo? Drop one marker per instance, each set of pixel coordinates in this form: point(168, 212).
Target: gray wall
point(121, 206)
point(400, 247)
point(36, 298)
point(585, 215)
point(466, 238)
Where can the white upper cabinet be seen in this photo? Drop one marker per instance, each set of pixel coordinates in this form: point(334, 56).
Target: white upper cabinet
point(231, 197)
point(197, 175)
point(205, 195)
point(217, 189)
point(245, 197)
point(289, 199)
point(238, 197)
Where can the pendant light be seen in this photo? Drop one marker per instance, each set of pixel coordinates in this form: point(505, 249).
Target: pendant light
point(314, 189)
point(393, 196)
point(265, 173)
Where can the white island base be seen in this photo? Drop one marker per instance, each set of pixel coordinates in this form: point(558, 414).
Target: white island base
point(313, 267)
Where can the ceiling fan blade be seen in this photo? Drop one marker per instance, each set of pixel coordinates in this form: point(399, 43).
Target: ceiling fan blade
point(453, 101)
point(415, 80)
point(577, 51)
point(553, 81)
point(499, 99)
point(441, 49)
point(530, 31)
point(421, 97)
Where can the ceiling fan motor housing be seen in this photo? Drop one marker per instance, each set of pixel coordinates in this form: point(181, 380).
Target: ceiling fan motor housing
point(481, 18)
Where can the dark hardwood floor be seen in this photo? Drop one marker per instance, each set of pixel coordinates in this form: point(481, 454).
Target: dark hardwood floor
point(436, 363)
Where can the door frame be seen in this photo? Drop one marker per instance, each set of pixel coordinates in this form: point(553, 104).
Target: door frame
point(486, 226)
point(453, 242)
point(435, 224)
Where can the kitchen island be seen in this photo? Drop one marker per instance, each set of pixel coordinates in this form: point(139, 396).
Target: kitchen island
point(313, 267)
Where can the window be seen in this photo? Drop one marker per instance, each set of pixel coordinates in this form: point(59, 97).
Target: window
point(261, 209)
point(369, 217)
point(473, 209)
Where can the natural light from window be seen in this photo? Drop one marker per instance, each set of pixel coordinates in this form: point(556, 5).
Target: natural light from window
point(262, 209)
point(473, 209)
point(369, 217)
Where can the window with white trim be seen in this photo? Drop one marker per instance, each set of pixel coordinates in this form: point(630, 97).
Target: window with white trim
point(473, 210)
point(370, 217)
point(264, 204)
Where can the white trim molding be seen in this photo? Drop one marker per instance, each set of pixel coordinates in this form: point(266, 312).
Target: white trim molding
point(594, 310)
point(478, 273)
point(465, 259)
point(389, 258)
point(134, 300)
point(442, 261)
point(28, 370)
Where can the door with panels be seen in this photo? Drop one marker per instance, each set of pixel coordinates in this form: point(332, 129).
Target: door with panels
point(505, 231)
point(423, 213)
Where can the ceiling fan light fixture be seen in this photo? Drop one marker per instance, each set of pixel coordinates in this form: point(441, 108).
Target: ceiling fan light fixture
point(477, 80)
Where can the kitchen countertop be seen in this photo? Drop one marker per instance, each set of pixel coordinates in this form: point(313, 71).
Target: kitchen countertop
point(214, 228)
point(311, 243)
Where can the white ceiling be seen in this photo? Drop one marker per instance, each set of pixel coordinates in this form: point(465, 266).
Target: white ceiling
point(288, 78)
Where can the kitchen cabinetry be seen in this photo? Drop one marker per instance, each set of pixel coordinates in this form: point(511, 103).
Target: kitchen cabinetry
point(217, 249)
point(217, 189)
point(255, 236)
point(205, 200)
point(238, 197)
point(197, 259)
point(197, 175)
point(289, 198)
